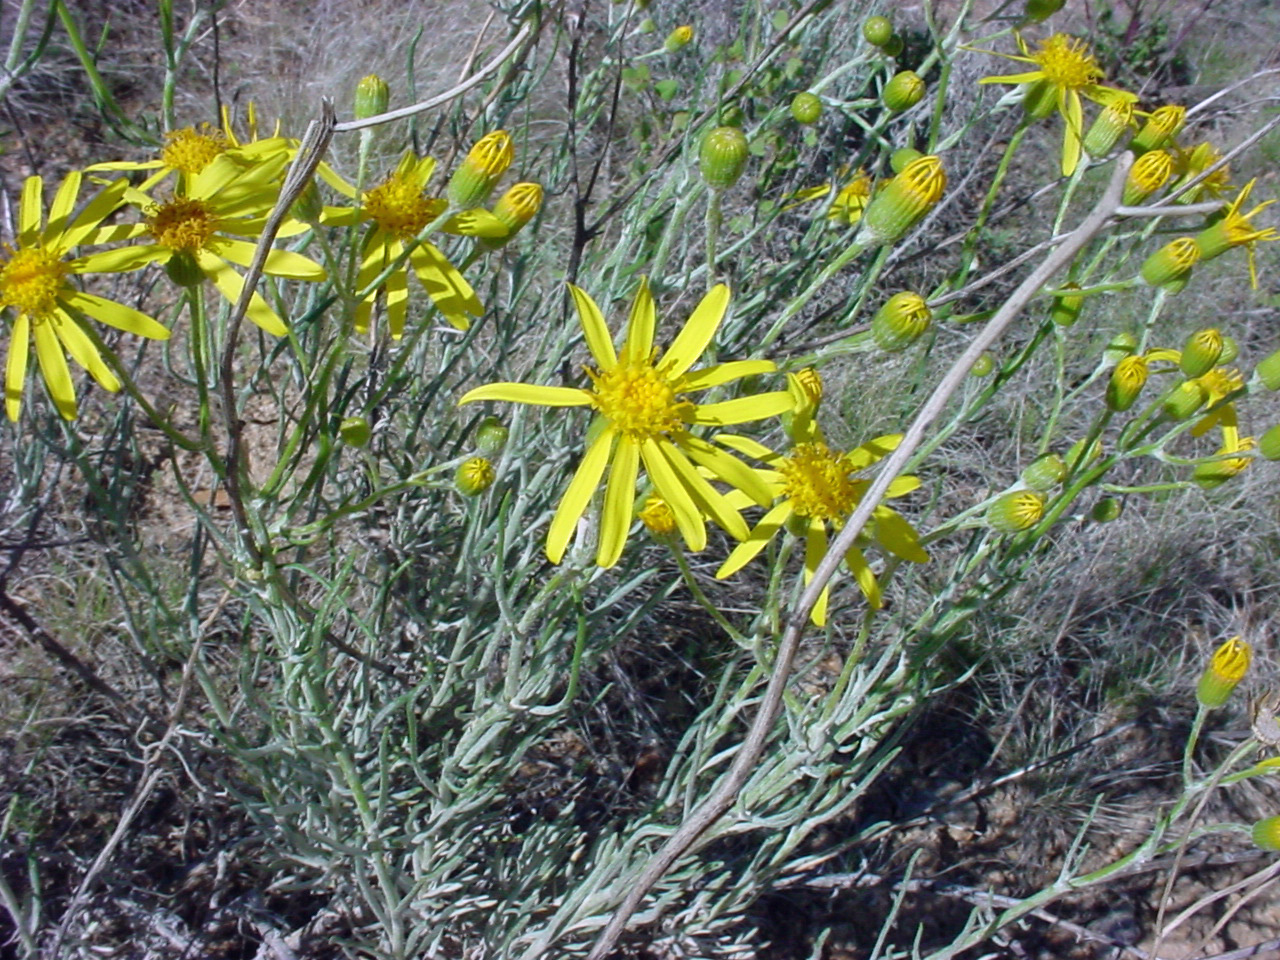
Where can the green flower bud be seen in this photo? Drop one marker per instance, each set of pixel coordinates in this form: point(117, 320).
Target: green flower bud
point(1227, 667)
point(1106, 131)
point(1230, 349)
point(1201, 352)
point(474, 476)
point(1268, 371)
point(1161, 127)
point(1269, 444)
point(1066, 307)
point(1077, 458)
point(1040, 100)
point(1121, 345)
point(877, 31)
point(491, 436)
point(1016, 510)
point(1184, 400)
point(678, 38)
point(806, 108)
point(1217, 472)
point(1036, 10)
point(900, 322)
point(481, 170)
point(1149, 173)
point(894, 47)
point(355, 431)
point(647, 26)
point(901, 158)
point(983, 366)
point(1266, 834)
point(1127, 381)
point(372, 97)
point(732, 116)
point(722, 156)
point(1171, 263)
point(903, 202)
point(1106, 510)
point(183, 270)
point(1044, 472)
point(903, 91)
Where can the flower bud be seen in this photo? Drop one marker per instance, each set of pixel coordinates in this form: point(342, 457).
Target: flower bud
point(657, 517)
point(1039, 100)
point(983, 366)
point(1161, 127)
point(806, 108)
point(677, 38)
point(1016, 510)
point(354, 431)
point(1269, 444)
point(1078, 458)
point(900, 322)
point(1106, 510)
point(903, 201)
point(474, 476)
point(372, 97)
point(1268, 371)
point(1066, 307)
point(480, 171)
point(516, 207)
point(877, 31)
point(491, 436)
point(1106, 131)
point(1036, 10)
point(1217, 472)
point(1121, 345)
point(722, 156)
point(902, 157)
point(647, 26)
point(1201, 352)
point(183, 270)
point(894, 47)
point(903, 91)
point(1184, 400)
point(1044, 472)
point(1171, 263)
point(805, 387)
point(1149, 173)
point(1230, 349)
point(309, 206)
point(1127, 381)
point(1227, 667)
point(1266, 834)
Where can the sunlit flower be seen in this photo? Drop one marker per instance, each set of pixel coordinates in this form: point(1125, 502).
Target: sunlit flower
point(205, 229)
point(1227, 667)
point(817, 489)
point(1218, 384)
point(399, 209)
point(657, 517)
point(849, 202)
point(1066, 70)
point(1235, 229)
point(36, 288)
point(643, 416)
point(1189, 164)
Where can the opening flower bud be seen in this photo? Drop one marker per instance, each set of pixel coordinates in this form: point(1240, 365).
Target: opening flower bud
point(903, 91)
point(372, 97)
point(1161, 127)
point(1217, 472)
point(722, 157)
point(678, 38)
point(1127, 381)
point(474, 476)
point(806, 108)
point(516, 207)
point(355, 431)
point(903, 202)
point(657, 517)
point(1016, 510)
point(1227, 667)
point(1106, 131)
point(877, 31)
point(1149, 173)
point(1171, 263)
point(1269, 444)
point(900, 322)
point(1184, 400)
point(901, 158)
point(481, 170)
point(1202, 352)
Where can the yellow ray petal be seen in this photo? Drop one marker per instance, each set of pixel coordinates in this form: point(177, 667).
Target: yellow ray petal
point(574, 502)
point(397, 290)
point(122, 259)
point(898, 537)
point(29, 211)
point(744, 409)
point(866, 579)
point(751, 448)
point(63, 203)
point(667, 483)
point(724, 373)
point(230, 284)
point(529, 393)
point(594, 330)
point(89, 221)
point(280, 263)
point(83, 351)
point(707, 497)
point(690, 343)
point(53, 367)
point(815, 548)
point(619, 498)
point(117, 315)
point(1073, 113)
point(763, 532)
point(729, 469)
point(641, 324)
point(15, 368)
point(447, 288)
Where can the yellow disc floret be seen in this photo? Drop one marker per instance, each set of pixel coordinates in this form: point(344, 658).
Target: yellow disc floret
point(399, 206)
point(183, 224)
point(1067, 62)
point(190, 150)
point(31, 280)
point(639, 401)
point(816, 479)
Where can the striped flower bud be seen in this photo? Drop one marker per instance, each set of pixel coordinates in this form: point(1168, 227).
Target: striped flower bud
point(1149, 173)
point(1106, 510)
point(1184, 400)
point(1044, 472)
point(900, 322)
point(902, 202)
point(1269, 443)
point(1016, 510)
point(806, 108)
point(474, 476)
point(1217, 472)
point(372, 97)
point(1171, 263)
point(877, 31)
point(1066, 307)
point(1106, 131)
point(1268, 371)
point(1161, 127)
point(1127, 381)
point(1266, 834)
point(183, 270)
point(1202, 352)
point(657, 517)
point(480, 171)
point(1227, 667)
point(805, 386)
point(355, 431)
point(903, 91)
point(678, 38)
point(491, 436)
point(722, 156)
point(516, 207)
point(1121, 345)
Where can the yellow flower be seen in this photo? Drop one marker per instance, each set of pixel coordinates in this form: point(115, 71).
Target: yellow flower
point(817, 488)
point(400, 210)
point(849, 203)
point(483, 166)
point(1229, 664)
point(1234, 229)
point(1189, 164)
point(644, 416)
point(1066, 70)
point(35, 287)
point(225, 201)
point(657, 517)
point(1218, 384)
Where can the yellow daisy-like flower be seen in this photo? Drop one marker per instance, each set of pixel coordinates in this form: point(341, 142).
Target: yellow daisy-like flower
point(1218, 383)
point(1235, 229)
point(35, 285)
point(225, 201)
point(851, 199)
point(815, 488)
point(399, 209)
point(643, 416)
point(1065, 71)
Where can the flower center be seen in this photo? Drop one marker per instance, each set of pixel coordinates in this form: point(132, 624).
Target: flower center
point(1221, 381)
point(399, 207)
point(190, 150)
point(639, 401)
point(1067, 62)
point(30, 281)
point(182, 224)
point(816, 479)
